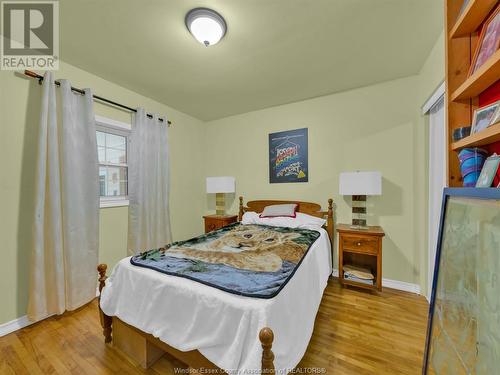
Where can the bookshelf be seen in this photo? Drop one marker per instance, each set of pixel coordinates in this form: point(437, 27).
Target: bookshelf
point(485, 76)
point(472, 17)
point(486, 137)
point(465, 94)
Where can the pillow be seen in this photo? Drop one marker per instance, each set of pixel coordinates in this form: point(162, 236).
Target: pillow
point(280, 210)
point(299, 221)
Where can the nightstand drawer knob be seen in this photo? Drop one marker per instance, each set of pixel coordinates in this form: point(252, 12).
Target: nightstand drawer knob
point(359, 243)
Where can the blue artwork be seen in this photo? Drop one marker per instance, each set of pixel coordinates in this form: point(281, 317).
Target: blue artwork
point(288, 156)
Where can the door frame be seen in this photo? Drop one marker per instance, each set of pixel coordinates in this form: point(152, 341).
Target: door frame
point(435, 99)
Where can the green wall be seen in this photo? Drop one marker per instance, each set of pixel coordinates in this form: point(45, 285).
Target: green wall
point(370, 128)
point(19, 112)
point(429, 78)
point(379, 127)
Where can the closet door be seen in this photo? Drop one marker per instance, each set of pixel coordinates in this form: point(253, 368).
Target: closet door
point(437, 177)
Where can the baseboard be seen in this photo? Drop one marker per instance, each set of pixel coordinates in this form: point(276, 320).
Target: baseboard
point(14, 325)
point(393, 284)
point(401, 285)
point(21, 322)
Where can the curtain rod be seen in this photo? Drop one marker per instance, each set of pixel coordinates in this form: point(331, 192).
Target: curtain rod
point(31, 74)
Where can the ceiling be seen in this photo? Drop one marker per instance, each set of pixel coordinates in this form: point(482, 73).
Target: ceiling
point(274, 52)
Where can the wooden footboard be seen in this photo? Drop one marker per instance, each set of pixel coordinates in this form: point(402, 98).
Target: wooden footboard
point(106, 321)
point(266, 337)
point(193, 359)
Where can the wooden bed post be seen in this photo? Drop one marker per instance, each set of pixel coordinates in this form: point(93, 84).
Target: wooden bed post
point(106, 321)
point(241, 210)
point(266, 337)
point(329, 222)
point(329, 225)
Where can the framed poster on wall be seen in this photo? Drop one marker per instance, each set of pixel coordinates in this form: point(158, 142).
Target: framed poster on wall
point(288, 156)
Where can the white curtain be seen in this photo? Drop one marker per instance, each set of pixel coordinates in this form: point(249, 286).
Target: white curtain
point(149, 217)
point(66, 223)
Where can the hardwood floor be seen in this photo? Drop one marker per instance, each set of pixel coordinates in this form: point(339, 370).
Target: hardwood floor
point(356, 332)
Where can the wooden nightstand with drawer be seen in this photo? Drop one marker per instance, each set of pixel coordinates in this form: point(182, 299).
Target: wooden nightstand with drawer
point(214, 222)
point(361, 249)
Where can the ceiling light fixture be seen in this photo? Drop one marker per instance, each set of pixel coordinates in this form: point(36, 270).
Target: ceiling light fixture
point(206, 25)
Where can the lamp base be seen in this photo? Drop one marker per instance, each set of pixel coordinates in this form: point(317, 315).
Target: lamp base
point(359, 212)
point(220, 204)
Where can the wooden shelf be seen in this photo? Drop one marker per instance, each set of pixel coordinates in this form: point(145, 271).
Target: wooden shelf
point(483, 78)
point(359, 285)
point(473, 16)
point(485, 137)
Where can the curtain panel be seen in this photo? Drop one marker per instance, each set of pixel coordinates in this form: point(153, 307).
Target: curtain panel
point(66, 222)
point(149, 216)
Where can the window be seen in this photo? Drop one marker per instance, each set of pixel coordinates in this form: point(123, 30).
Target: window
point(112, 146)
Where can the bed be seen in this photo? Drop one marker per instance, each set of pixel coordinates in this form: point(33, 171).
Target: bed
point(146, 313)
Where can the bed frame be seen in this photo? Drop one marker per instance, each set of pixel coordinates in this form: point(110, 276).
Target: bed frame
point(145, 349)
point(308, 208)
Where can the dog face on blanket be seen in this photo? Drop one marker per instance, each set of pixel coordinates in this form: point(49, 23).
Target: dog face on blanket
point(247, 247)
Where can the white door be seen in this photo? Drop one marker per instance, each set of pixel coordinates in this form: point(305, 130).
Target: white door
point(437, 177)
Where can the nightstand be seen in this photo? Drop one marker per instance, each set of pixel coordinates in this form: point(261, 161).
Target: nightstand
point(361, 249)
point(214, 222)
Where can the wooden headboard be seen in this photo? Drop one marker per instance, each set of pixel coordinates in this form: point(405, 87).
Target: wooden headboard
point(308, 208)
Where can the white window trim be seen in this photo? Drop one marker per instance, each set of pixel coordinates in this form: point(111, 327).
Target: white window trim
point(120, 128)
point(434, 98)
point(108, 123)
point(107, 202)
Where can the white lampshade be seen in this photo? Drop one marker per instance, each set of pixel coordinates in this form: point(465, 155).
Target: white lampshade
point(221, 184)
point(360, 183)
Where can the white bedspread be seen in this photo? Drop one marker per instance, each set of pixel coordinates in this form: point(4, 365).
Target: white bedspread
point(224, 327)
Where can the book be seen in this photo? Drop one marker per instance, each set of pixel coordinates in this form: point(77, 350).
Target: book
point(359, 272)
point(357, 279)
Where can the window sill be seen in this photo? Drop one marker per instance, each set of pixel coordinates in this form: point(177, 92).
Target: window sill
point(114, 203)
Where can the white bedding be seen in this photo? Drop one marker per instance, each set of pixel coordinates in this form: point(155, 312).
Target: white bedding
point(224, 327)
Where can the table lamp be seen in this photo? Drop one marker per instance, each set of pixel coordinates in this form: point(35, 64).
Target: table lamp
point(220, 186)
point(359, 185)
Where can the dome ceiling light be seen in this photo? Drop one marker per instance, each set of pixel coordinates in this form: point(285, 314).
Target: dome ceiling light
point(206, 25)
